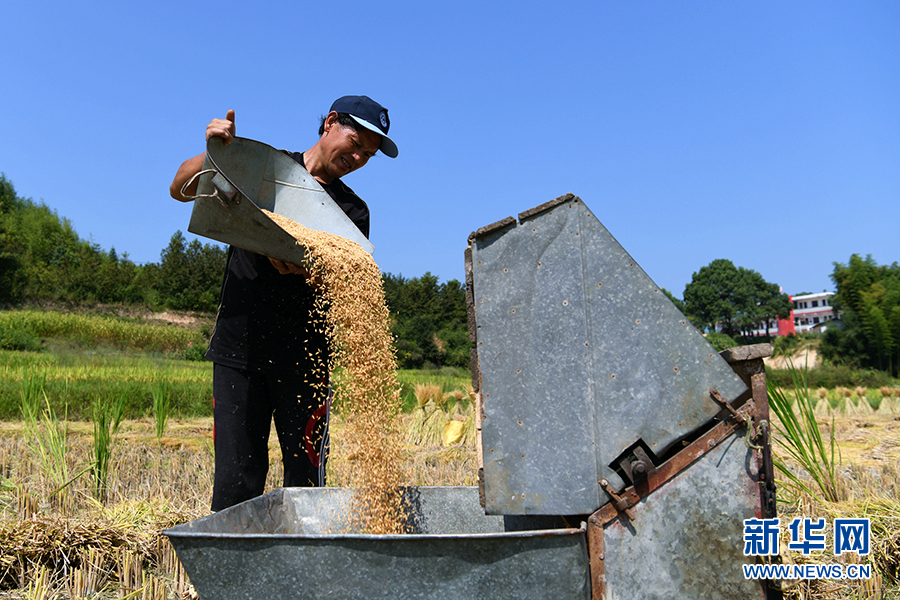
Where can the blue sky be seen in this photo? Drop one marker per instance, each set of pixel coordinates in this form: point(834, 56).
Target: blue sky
point(764, 132)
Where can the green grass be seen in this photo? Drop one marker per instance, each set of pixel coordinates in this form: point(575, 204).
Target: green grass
point(93, 329)
point(74, 381)
point(89, 358)
point(448, 378)
point(831, 376)
point(800, 437)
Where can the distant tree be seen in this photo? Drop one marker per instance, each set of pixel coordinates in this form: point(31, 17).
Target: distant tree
point(733, 298)
point(868, 298)
point(12, 279)
point(678, 302)
point(190, 275)
point(42, 258)
point(429, 320)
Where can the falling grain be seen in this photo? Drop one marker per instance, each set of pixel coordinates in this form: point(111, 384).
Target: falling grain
point(352, 308)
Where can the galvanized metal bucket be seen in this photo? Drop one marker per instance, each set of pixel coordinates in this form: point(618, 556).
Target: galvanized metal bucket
point(290, 544)
point(245, 176)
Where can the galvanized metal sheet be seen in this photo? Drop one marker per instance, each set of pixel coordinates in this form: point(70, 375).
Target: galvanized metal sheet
point(288, 545)
point(271, 180)
point(580, 356)
point(686, 539)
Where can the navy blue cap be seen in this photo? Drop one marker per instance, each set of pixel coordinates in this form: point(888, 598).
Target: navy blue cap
point(370, 115)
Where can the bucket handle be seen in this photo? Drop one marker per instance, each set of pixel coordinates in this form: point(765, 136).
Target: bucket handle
point(223, 191)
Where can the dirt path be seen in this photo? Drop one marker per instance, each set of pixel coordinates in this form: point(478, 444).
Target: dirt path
point(805, 357)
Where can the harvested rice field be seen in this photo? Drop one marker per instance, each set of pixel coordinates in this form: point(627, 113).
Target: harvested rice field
point(67, 544)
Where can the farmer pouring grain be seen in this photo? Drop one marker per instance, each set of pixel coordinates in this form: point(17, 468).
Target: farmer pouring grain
point(270, 351)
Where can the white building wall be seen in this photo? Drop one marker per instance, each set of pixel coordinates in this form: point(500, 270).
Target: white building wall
point(811, 310)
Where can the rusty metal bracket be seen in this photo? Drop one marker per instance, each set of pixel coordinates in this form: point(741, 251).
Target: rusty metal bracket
point(596, 556)
point(767, 470)
point(623, 501)
point(619, 503)
point(723, 402)
point(637, 464)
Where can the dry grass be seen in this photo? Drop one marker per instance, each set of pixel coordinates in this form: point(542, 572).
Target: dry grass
point(868, 479)
point(69, 545)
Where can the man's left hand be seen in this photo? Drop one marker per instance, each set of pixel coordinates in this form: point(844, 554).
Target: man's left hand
point(286, 268)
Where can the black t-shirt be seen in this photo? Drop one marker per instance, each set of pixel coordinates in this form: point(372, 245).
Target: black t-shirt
point(264, 321)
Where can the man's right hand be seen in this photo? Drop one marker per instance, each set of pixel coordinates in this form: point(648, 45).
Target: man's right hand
point(223, 128)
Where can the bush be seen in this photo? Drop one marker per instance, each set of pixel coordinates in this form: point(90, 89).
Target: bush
point(788, 345)
point(19, 338)
point(831, 376)
point(194, 352)
point(721, 341)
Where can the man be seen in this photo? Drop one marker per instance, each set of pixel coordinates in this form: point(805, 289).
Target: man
point(269, 351)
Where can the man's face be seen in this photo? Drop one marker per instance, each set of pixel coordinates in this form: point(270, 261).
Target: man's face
point(346, 149)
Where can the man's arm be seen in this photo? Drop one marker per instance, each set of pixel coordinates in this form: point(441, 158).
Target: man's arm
point(223, 128)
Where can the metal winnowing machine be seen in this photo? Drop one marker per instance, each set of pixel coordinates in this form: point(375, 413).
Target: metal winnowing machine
point(599, 398)
point(620, 454)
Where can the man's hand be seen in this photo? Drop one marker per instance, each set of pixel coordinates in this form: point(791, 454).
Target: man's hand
point(223, 128)
point(288, 268)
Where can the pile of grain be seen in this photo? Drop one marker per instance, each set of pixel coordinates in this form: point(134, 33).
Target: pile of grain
point(357, 321)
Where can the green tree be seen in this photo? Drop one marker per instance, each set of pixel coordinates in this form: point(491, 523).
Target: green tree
point(429, 320)
point(711, 296)
point(12, 279)
point(190, 275)
point(735, 299)
point(868, 299)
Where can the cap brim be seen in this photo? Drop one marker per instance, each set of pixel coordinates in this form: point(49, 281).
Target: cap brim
point(387, 147)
